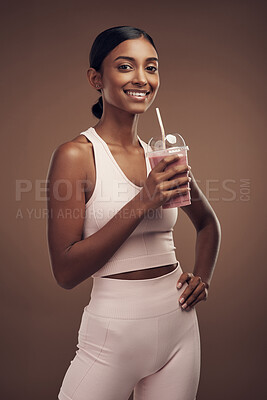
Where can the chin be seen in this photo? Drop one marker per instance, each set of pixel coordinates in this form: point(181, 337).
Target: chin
point(139, 108)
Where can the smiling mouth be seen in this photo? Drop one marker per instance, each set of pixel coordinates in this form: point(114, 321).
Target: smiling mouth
point(137, 93)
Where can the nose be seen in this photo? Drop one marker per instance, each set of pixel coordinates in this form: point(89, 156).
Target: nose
point(139, 78)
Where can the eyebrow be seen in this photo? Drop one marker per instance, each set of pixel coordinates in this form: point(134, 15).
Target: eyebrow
point(132, 59)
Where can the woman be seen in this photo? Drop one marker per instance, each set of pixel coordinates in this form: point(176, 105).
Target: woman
point(140, 329)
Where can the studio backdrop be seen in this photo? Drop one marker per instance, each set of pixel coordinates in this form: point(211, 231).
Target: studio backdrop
point(212, 66)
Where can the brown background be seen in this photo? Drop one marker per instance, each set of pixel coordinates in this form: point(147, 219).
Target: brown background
point(212, 65)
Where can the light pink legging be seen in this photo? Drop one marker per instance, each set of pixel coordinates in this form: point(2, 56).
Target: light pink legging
point(135, 336)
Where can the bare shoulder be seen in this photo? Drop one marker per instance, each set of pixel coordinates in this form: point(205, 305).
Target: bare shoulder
point(76, 154)
point(74, 149)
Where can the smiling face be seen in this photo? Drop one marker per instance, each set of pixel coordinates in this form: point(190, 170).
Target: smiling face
point(129, 76)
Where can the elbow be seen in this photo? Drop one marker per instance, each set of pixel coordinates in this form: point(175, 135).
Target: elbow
point(65, 284)
point(219, 229)
point(212, 223)
point(63, 279)
point(217, 226)
point(68, 272)
point(63, 271)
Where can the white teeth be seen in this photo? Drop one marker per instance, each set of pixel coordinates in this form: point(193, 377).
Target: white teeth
point(138, 94)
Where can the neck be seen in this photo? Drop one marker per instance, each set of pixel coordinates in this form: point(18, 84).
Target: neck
point(118, 127)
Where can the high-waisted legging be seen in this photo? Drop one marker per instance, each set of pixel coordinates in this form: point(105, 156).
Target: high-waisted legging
point(135, 336)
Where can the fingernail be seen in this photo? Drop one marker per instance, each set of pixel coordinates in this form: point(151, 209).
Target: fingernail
point(179, 285)
point(184, 306)
point(182, 300)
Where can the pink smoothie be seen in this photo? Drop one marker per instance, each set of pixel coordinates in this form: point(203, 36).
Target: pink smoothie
point(155, 158)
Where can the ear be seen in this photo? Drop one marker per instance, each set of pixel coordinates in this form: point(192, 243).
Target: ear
point(94, 78)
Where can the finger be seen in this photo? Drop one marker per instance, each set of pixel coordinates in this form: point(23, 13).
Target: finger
point(200, 293)
point(178, 183)
point(188, 295)
point(183, 278)
point(169, 194)
point(201, 297)
point(175, 170)
point(165, 162)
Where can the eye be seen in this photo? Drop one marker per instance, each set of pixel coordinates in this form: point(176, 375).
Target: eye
point(124, 67)
point(152, 68)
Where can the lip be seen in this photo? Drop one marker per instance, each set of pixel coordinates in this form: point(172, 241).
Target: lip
point(137, 94)
point(136, 90)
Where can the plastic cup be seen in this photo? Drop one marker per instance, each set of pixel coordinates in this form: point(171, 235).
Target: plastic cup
point(174, 144)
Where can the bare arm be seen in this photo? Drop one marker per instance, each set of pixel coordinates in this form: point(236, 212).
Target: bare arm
point(74, 259)
point(208, 241)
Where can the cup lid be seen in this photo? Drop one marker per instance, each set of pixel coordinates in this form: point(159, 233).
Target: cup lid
point(172, 140)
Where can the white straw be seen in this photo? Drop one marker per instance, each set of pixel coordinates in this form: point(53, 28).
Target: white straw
point(161, 128)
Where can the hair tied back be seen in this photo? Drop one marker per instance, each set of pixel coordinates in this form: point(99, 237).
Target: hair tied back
point(97, 108)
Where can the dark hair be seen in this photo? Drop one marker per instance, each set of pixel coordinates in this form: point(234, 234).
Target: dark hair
point(104, 43)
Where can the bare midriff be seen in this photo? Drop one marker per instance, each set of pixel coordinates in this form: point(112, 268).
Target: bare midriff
point(145, 273)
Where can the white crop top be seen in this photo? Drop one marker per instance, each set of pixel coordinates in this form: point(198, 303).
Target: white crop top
point(151, 243)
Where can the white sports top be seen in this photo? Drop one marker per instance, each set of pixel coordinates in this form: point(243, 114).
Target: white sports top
point(151, 243)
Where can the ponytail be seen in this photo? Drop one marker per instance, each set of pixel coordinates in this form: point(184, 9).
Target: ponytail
point(97, 108)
